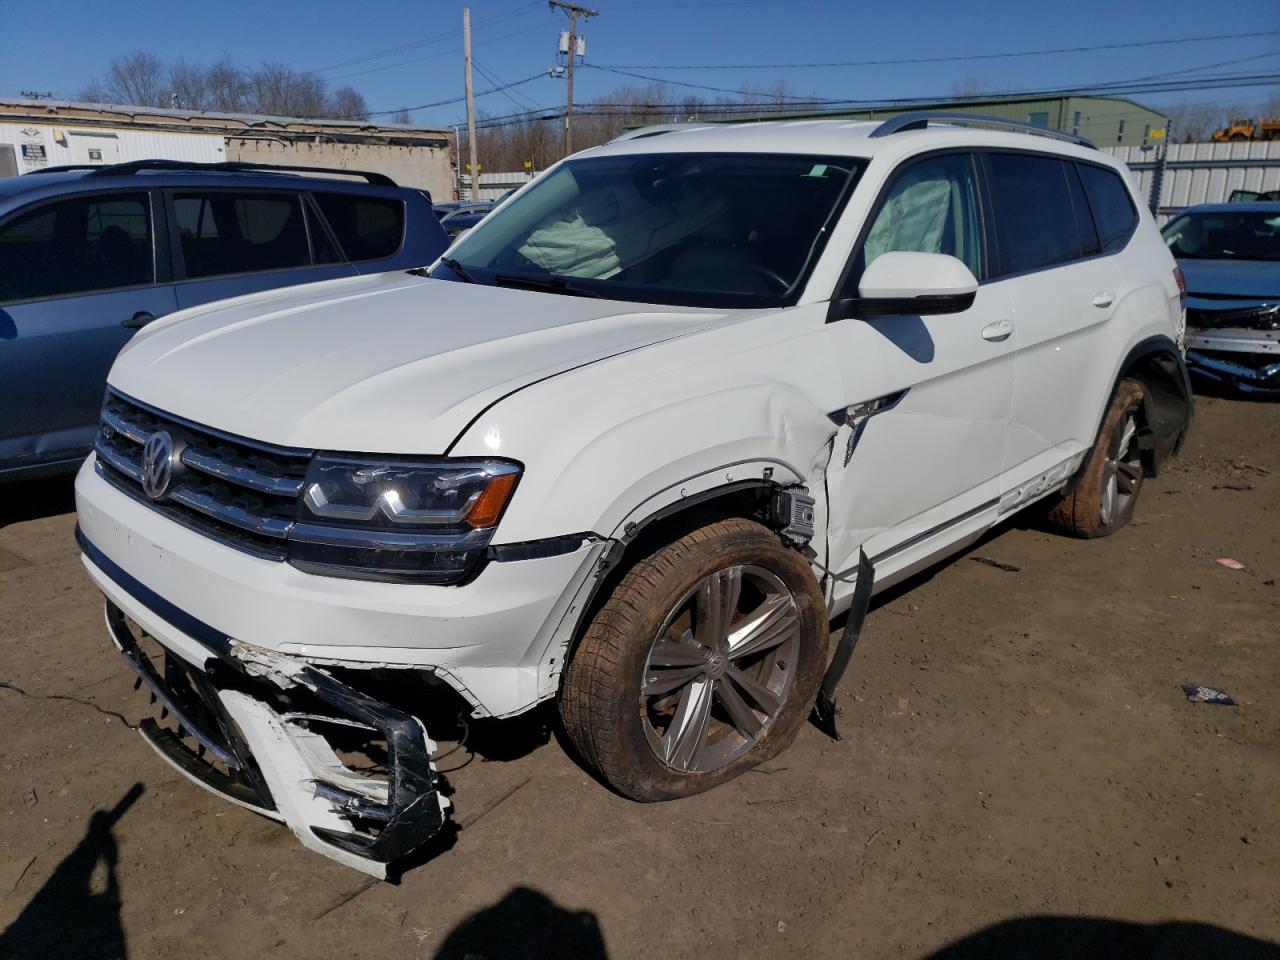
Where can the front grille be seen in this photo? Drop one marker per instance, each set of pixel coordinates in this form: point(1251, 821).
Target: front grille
point(237, 491)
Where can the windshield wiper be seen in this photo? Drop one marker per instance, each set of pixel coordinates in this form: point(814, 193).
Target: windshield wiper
point(551, 285)
point(459, 269)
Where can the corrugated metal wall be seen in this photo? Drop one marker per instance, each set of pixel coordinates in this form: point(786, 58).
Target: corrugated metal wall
point(61, 144)
point(1204, 172)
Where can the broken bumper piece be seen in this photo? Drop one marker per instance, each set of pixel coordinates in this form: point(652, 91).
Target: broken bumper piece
point(1247, 360)
point(265, 730)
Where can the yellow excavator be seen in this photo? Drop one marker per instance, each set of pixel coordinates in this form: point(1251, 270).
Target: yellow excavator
point(1246, 128)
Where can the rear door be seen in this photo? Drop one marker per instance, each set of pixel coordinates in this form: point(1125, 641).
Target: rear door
point(77, 276)
point(1064, 286)
point(228, 242)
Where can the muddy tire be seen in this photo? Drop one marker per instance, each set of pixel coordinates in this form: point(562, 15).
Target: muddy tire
point(704, 661)
point(1106, 491)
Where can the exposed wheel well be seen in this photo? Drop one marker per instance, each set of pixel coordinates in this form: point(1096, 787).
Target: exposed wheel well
point(1167, 404)
point(748, 501)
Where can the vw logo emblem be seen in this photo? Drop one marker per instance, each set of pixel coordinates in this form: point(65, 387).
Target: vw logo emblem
point(157, 464)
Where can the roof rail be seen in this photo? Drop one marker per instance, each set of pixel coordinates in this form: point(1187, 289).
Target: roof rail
point(66, 168)
point(919, 121)
point(229, 166)
point(655, 129)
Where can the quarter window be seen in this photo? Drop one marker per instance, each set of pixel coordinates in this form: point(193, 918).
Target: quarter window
point(224, 233)
point(931, 208)
point(1031, 203)
point(369, 228)
point(1111, 204)
point(76, 246)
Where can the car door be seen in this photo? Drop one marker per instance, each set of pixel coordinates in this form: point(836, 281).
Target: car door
point(915, 465)
point(77, 276)
point(1064, 289)
point(228, 242)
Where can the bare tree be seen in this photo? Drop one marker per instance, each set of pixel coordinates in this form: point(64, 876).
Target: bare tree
point(347, 104)
point(229, 89)
point(283, 91)
point(137, 78)
point(189, 85)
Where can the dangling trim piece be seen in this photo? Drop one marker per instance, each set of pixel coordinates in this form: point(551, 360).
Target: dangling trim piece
point(824, 711)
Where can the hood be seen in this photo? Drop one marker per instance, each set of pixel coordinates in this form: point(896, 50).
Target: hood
point(390, 363)
point(1246, 279)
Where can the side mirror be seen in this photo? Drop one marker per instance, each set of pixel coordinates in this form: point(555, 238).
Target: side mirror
point(911, 284)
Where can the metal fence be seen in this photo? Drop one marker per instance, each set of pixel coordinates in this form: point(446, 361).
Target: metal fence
point(492, 185)
point(1185, 174)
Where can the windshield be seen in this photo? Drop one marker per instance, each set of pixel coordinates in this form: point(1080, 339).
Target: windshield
point(701, 229)
point(1229, 235)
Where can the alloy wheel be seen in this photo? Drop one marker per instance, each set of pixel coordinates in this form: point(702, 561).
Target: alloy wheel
point(720, 668)
point(1122, 473)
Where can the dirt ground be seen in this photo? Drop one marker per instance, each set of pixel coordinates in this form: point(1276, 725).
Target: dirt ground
point(1021, 776)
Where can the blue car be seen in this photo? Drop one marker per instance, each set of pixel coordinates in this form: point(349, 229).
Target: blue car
point(89, 255)
point(1230, 256)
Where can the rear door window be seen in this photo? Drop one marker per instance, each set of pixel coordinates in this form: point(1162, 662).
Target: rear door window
point(82, 244)
point(1111, 204)
point(369, 228)
point(1031, 205)
point(223, 232)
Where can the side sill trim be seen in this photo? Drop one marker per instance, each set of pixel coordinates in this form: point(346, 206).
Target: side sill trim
point(926, 534)
point(217, 641)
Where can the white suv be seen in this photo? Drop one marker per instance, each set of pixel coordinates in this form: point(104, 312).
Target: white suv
point(630, 444)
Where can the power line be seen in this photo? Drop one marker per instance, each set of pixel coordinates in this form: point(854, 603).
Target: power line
point(523, 103)
point(950, 59)
point(521, 11)
point(606, 109)
point(819, 100)
point(451, 100)
point(436, 56)
point(700, 86)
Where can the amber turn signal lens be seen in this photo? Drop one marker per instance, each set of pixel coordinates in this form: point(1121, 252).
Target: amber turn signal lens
point(488, 508)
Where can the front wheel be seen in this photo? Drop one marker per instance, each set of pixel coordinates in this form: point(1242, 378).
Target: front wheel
point(704, 660)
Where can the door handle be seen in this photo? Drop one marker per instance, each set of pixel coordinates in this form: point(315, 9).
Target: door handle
point(138, 320)
point(1000, 330)
point(1104, 299)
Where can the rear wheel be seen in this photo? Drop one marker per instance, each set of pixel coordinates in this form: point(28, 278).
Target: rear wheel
point(1106, 491)
point(704, 661)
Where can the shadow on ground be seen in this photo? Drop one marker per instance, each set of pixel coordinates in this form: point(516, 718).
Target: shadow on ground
point(524, 925)
point(76, 914)
point(1069, 938)
point(36, 499)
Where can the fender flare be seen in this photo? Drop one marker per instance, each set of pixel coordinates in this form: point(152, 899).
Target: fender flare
point(1167, 428)
point(761, 474)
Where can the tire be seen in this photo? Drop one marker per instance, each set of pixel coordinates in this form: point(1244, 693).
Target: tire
point(1107, 488)
point(650, 666)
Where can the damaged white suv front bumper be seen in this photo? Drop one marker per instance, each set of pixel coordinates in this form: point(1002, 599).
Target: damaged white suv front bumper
point(261, 669)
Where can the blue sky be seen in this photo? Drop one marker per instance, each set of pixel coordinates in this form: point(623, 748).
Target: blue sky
point(55, 46)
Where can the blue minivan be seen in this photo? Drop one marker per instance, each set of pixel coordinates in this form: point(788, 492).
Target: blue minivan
point(89, 255)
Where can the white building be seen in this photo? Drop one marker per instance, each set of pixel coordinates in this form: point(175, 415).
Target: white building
point(40, 133)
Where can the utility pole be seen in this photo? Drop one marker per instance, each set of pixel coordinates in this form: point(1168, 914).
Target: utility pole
point(574, 11)
point(471, 108)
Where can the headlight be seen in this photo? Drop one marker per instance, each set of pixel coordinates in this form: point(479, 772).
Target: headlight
point(420, 522)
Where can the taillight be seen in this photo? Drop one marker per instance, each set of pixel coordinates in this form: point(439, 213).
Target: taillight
point(1182, 287)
